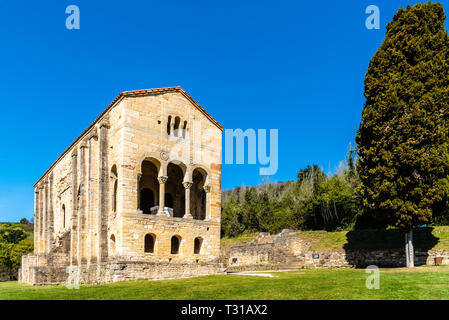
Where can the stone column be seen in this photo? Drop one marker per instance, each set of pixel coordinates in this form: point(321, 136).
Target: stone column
point(50, 215)
point(103, 192)
point(74, 218)
point(82, 207)
point(187, 185)
point(36, 221)
point(172, 127)
point(161, 211)
point(208, 209)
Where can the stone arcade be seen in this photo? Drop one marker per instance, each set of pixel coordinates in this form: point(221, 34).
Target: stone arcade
point(137, 195)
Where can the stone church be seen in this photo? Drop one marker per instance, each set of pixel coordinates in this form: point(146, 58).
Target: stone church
point(136, 195)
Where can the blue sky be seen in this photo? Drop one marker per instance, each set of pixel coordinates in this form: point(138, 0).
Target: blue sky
point(295, 66)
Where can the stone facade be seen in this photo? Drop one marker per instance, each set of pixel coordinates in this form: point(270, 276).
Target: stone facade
point(137, 195)
point(288, 250)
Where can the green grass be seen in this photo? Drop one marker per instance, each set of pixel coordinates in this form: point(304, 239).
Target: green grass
point(419, 283)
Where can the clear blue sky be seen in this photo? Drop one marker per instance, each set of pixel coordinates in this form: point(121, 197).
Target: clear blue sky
point(296, 66)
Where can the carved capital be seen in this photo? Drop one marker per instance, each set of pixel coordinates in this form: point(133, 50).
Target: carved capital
point(93, 134)
point(83, 144)
point(187, 184)
point(162, 179)
point(104, 123)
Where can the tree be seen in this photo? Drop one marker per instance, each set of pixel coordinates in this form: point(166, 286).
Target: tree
point(12, 233)
point(403, 140)
point(11, 255)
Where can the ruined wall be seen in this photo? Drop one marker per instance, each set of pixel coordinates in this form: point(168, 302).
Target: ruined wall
point(287, 250)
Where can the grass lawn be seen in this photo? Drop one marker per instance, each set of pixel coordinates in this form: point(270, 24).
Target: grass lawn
point(420, 283)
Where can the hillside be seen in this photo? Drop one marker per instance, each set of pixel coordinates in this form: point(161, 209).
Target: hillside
point(436, 238)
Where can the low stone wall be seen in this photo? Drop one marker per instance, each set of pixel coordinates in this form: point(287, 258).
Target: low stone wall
point(286, 250)
point(55, 270)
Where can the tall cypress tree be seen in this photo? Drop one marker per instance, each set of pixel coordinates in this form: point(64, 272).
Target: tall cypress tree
point(403, 139)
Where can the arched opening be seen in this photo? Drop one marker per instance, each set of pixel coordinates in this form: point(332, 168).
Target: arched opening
point(63, 216)
point(176, 126)
point(114, 196)
point(197, 245)
point(198, 194)
point(169, 125)
point(149, 243)
point(112, 244)
point(146, 200)
point(175, 194)
point(168, 200)
point(78, 198)
point(175, 244)
point(148, 187)
point(184, 130)
point(114, 179)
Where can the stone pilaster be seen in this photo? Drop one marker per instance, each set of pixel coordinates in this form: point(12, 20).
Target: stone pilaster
point(50, 215)
point(41, 219)
point(45, 219)
point(82, 225)
point(36, 220)
point(74, 219)
point(162, 180)
point(91, 192)
point(103, 192)
point(187, 185)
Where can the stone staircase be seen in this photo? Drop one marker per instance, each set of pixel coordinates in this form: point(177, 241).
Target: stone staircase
point(285, 259)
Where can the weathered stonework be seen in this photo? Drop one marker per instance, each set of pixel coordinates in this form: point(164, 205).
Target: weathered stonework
point(137, 195)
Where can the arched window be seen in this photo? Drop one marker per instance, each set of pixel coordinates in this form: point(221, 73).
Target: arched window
point(197, 245)
point(176, 127)
point(112, 243)
point(63, 216)
point(146, 200)
point(184, 130)
point(169, 125)
point(175, 242)
point(114, 178)
point(149, 243)
point(114, 197)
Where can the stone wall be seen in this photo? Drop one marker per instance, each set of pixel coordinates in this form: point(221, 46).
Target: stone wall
point(115, 270)
point(287, 250)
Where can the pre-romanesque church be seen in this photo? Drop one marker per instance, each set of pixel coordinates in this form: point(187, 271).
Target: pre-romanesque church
point(136, 195)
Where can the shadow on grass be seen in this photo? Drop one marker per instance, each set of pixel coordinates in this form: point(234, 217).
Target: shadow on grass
point(386, 248)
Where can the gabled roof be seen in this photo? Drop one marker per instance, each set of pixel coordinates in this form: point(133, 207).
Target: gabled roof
point(134, 93)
